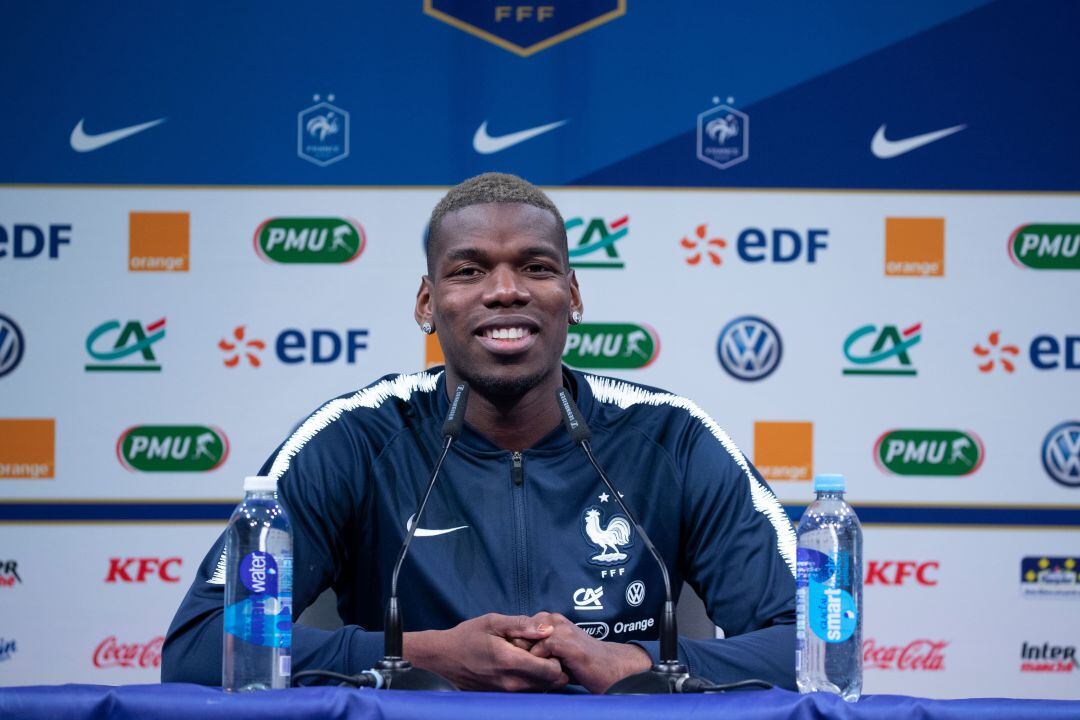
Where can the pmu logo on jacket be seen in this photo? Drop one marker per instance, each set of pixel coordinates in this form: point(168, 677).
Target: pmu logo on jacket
point(525, 28)
point(895, 573)
point(1047, 658)
point(595, 240)
point(125, 347)
point(9, 573)
point(159, 242)
point(111, 653)
point(929, 452)
point(920, 655)
point(309, 240)
point(1061, 453)
point(172, 448)
point(141, 569)
point(1048, 576)
point(882, 351)
point(784, 450)
point(915, 247)
point(608, 536)
point(1046, 247)
point(12, 345)
point(749, 348)
point(755, 245)
point(27, 449)
point(616, 346)
point(24, 241)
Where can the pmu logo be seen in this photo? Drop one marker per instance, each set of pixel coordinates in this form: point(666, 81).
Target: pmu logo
point(1050, 576)
point(525, 28)
point(1061, 453)
point(139, 570)
point(723, 136)
point(882, 351)
point(756, 245)
point(597, 239)
point(29, 241)
point(309, 240)
point(172, 448)
point(620, 346)
point(929, 452)
point(12, 345)
point(112, 342)
point(9, 573)
point(749, 348)
point(902, 572)
point(1046, 247)
point(322, 132)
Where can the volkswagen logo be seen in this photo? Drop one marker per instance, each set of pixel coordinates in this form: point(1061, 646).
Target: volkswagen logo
point(11, 345)
point(749, 348)
point(635, 593)
point(1061, 453)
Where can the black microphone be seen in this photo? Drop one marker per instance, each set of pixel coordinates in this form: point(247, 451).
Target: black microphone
point(668, 675)
point(396, 672)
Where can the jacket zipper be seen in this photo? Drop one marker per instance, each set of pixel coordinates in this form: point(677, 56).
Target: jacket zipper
point(517, 477)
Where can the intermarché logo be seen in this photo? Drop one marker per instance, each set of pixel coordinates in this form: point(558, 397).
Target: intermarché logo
point(929, 452)
point(619, 346)
point(309, 240)
point(172, 448)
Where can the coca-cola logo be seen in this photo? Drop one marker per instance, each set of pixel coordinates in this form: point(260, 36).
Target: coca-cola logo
point(922, 654)
point(112, 653)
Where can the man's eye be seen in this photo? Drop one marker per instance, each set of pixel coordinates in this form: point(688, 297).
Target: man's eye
point(538, 268)
point(467, 271)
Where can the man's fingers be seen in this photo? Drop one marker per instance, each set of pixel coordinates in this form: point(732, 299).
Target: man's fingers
point(521, 643)
point(519, 663)
point(520, 626)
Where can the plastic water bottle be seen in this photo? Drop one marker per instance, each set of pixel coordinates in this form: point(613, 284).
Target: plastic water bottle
point(257, 651)
point(828, 594)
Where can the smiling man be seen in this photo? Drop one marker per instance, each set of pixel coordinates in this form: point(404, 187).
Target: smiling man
point(526, 575)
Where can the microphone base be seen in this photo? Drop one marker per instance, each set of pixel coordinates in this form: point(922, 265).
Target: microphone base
point(400, 674)
point(661, 679)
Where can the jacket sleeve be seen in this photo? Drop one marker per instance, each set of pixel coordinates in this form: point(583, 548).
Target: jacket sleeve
point(738, 555)
point(323, 492)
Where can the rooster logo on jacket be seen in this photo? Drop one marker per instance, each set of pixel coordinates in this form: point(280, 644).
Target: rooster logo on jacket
point(618, 533)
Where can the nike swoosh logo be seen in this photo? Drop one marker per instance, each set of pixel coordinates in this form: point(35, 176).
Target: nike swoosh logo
point(883, 148)
point(81, 142)
point(424, 532)
point(486, 144)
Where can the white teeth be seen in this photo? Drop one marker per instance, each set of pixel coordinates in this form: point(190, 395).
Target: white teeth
point(506, 333)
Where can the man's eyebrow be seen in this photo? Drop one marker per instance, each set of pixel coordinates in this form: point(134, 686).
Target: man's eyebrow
point(465, 253)
point(543, 251)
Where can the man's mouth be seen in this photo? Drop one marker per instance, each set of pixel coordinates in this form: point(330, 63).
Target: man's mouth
point(513, 333)
point(507, 340)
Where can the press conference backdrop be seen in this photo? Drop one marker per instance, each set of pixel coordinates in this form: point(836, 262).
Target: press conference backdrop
point(849, 232)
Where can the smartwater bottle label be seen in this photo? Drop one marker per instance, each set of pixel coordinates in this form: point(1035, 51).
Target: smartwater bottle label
point(265, 616)
point(827, 582)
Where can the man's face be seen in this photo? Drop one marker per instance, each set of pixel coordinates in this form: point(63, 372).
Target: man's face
point(500, 295)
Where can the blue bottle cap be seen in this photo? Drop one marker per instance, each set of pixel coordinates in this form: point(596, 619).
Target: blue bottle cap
point(828, 483)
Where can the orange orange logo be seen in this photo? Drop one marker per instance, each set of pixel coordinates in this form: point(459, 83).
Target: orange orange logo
point(915, 247)
point(433, 354)
point(159, 242)
point(27, 449)
point(784, 450)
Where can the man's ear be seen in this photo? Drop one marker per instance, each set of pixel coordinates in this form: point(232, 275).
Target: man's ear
point(424, 305)
point(575, 294)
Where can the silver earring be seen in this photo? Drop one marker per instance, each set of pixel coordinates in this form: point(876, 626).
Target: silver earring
point(575, 318)
point(427, 328)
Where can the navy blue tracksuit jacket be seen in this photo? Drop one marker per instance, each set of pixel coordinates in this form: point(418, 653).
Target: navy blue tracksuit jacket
point(518, 533)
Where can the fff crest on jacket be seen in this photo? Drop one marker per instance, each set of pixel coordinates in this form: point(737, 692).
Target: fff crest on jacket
point(609, 537)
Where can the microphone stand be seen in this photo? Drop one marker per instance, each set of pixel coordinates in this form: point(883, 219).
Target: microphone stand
point(398, 673)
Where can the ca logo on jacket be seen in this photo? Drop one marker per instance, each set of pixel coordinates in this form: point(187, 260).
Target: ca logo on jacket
point(608, 538)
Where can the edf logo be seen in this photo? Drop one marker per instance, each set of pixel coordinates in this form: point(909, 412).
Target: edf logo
point(756, 245)
point(29, 241)
point(898, 572)
point(138, 570)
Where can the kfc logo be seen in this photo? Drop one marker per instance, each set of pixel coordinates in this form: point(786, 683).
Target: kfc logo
point(899, 572)
point(137, 570)
point(917, 655)
point(110, 653)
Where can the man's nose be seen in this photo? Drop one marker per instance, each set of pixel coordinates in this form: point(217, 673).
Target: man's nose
point(505, 287)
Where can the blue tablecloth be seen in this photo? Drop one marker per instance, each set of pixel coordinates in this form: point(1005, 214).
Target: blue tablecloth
point(194, 702)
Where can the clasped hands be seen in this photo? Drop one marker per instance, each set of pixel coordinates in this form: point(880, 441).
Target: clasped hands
point(523, 654)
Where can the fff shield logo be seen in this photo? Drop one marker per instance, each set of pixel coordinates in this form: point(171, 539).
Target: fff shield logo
point(723, 137)
point(172, 448)
point(1045, 246)
point(613, 346)
point(322, 133)
point(309, 240)
point(882, 351)
point(929, 452)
